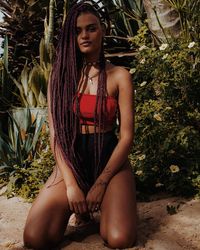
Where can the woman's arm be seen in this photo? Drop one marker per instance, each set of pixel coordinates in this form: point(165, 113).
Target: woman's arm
point(120, 154)
point(74, 193)
point(126, 110)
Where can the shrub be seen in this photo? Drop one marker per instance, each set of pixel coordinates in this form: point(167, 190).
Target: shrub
point(166, 153)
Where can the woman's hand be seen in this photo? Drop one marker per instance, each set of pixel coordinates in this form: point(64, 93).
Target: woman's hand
point(76, 199)
point(95, 196)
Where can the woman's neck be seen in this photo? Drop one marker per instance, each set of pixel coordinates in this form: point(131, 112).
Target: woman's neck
point(91, 59)
point(91, 63)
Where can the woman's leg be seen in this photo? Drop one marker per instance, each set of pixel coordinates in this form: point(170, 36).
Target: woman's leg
point(48, 216)
point(118, 210)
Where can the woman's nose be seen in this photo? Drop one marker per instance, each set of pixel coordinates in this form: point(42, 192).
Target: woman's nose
point(84, 34)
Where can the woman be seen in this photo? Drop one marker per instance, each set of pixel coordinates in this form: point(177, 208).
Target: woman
point(92, 170)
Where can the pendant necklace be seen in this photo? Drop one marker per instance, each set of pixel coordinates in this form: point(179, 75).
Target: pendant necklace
point(91, 77)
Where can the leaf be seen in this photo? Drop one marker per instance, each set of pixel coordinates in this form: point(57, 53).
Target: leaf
point(24, 79)
point(37, 133)
point(42, 100)
point(31, 99)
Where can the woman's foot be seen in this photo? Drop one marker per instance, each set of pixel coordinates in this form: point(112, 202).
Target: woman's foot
point(79, 220)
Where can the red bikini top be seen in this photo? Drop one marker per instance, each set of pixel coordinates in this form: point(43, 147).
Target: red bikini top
point(87, 104)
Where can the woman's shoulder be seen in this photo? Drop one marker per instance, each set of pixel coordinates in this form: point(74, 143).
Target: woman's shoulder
point(117, 71)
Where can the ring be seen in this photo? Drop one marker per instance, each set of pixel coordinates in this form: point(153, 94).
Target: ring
point(97, 207)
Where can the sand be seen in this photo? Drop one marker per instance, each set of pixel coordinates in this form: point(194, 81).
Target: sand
point(157, 229)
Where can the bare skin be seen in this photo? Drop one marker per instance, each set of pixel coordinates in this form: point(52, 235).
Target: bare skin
point(114, 190)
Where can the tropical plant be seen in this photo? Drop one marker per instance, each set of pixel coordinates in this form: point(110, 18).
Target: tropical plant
point(126, 18)
point(32, 83)
point(32, 87)
point(23, 21)
point(20, 144)
point(163, 20)
point(6, 87)
point(27, 182)
point(5, 84)
point(171, 18)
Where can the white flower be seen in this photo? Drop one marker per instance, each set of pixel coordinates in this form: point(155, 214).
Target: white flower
point(159, 185)
point(46, 149)
point(163, 46)
point(143, 61)
point(174, 168)
point(142, 157)
point(139, 172)
point(157, 117)
point(165, 56)
point(143, 84)
point(155, 168)
point(143, 47)
point(132, 71)
point(191, 45)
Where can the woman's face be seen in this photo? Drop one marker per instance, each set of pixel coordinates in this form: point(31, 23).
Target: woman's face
point(89, 33)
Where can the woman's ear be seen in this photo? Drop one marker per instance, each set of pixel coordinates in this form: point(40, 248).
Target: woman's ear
point(104, 28)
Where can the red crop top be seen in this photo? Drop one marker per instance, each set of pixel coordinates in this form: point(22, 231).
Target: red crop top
point(87, 104)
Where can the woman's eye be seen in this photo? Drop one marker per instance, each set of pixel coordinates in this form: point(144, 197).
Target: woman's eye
point(92, 29)
point(78, 31)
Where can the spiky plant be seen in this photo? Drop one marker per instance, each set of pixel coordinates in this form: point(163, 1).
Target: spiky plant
point(126, 17)
point(32, 83)
point(23, 22)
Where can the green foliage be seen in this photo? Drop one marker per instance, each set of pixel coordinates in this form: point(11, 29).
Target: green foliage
point(19, 145)
point(24, 22)
point(5, 81)
point(172, 209)
point(166, 154)
point(32, 83)
point(27, 179)
point(29, 78)
point(188, 11)
point(127, 16)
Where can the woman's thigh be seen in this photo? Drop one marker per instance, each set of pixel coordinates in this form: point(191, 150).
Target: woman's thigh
point(49, 214)
point(118, 210)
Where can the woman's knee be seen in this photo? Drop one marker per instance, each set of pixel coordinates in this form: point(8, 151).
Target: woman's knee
point(103, 232)
point(32, 239)
point(37, 239)
point(121, 239)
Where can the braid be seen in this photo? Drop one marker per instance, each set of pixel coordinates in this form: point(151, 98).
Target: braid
point(63, 88)
point(100, 109)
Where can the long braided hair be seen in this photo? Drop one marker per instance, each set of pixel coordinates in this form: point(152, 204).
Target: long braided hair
point(64, 86)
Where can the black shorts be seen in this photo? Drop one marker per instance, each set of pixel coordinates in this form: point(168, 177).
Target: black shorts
point(86, 150)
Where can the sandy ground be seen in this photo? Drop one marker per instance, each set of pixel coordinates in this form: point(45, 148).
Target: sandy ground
point(157, 229)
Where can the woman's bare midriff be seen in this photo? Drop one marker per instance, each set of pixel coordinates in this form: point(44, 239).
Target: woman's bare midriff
point(90, 129)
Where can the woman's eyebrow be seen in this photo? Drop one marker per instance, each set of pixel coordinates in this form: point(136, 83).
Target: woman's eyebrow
point(88, 26)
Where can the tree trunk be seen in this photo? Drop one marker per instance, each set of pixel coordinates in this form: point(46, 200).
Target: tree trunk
point(163, 20)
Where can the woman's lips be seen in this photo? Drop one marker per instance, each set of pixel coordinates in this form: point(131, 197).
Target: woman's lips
point(85, 44)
